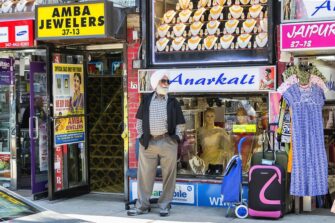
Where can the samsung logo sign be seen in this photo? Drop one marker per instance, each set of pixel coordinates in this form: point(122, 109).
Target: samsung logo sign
point(21, 33)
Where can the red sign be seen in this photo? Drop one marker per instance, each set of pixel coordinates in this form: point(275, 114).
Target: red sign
point(59, 167)
point(19, 33)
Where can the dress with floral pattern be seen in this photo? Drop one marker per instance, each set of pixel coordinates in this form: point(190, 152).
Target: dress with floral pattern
point(310, 166)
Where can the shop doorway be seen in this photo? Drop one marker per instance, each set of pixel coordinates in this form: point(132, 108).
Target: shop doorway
point(27, 125)
point(105, 126)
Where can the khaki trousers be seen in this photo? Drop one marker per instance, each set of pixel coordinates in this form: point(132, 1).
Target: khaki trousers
point(165, 150)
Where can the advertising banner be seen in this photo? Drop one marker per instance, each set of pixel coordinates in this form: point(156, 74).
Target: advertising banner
point(69, 130)
point(307, 36)
point(210, 195)
point(70, 20)
point(18, 33)
point(307, 10)
point(227, 79)
point(68, 89)
point(4, 166)
point(6, 71)
point(185, 193)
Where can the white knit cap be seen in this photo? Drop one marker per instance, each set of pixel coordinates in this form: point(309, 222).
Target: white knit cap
point(156, 77)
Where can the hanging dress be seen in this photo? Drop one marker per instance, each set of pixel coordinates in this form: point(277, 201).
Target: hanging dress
point(310, 166)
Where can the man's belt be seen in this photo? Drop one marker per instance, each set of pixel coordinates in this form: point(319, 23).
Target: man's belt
point(156, 137)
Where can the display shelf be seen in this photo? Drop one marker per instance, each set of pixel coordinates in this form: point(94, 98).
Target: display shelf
point(170, 32)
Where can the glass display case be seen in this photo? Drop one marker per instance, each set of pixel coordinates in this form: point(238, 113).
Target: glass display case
point(184, 32)
point(214, 126)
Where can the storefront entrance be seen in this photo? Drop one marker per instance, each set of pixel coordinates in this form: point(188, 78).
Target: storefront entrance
point(24, 120)
point(105, 115)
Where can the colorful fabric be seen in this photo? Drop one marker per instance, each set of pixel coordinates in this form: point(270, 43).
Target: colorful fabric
point(294, 80)
point(310, 166)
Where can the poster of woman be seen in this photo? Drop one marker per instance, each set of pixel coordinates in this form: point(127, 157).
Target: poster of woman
point(68, 89)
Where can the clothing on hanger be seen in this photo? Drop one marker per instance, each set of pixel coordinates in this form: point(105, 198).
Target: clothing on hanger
point(309, 161)
point(294, 80)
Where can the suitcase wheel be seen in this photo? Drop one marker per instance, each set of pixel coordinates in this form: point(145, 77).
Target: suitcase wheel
point(241, 211)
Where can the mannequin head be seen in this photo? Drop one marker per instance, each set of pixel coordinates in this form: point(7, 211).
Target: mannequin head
point(241, 116)
point(209, 117)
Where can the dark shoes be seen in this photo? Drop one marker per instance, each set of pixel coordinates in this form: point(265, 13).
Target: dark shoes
point(136, 211)
point(164, 212)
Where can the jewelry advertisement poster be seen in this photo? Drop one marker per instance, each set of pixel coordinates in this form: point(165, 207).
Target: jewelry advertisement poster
point(68, 81)
point(198, 27)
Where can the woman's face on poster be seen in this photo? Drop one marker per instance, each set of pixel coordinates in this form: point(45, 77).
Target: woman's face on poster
point(76, 82)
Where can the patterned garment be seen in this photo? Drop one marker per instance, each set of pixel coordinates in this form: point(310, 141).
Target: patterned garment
point(158, 118)
point(294, 80)
point(310, 166)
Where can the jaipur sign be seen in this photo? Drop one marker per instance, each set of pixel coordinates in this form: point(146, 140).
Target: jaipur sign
point(308, 36)
point(78, 20)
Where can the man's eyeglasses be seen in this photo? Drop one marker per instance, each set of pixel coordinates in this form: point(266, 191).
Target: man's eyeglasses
point(165, 81)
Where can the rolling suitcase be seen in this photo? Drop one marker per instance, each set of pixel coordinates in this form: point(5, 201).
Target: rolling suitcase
point(281, 159)
point(267, 185)
point(266, 191)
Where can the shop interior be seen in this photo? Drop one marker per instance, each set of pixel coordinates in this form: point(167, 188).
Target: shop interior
point(323, 67)
point(105, 118)
point(14, 114)
point(214, 126)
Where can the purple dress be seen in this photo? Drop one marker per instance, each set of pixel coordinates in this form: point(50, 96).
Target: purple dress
point(310, 166)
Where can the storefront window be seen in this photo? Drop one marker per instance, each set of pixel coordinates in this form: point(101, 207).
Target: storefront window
point(214, 127)
point(186, 32)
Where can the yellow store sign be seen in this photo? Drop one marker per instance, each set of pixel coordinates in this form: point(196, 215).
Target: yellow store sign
point(70, 20)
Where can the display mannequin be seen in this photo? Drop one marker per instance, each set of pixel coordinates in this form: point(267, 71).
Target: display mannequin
point(215, 141)
point(242, 118)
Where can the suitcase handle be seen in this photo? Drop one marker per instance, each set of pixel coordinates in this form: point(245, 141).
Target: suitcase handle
point(266, 137)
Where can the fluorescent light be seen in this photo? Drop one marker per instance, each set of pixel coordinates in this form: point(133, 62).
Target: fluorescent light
point(113, 46)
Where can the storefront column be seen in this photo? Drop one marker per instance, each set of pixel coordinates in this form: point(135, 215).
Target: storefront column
point(133, 96)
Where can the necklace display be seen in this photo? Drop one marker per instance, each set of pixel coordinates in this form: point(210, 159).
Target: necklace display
point(179, 29)
point(184, 4)
point(195, 28)
point(204, 3)
point(261, 39)
point(215, 11)
point(197, 15)
point(177, 43)
point(209, 42)
point(231, 25)
point(244, 2)
point(263, 1)
point(219, 2)
point(248, 25)
point(243, 40)
point(212, 27)
point(255, 10)
point(185, 15)
point(264, 24)
point(162, 43)
point(193, 42)
point(226, 41)
point(162, 30)
point(169, 16)
point(236, 11)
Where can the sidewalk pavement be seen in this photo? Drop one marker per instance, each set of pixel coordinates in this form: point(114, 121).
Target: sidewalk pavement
point(110, 208)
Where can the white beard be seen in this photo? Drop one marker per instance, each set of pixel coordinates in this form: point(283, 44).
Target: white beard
point(162, 90)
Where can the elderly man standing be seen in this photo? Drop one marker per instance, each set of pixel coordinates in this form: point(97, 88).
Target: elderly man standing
point(160, 124)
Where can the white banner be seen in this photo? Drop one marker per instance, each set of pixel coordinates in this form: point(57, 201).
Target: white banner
point(227, 79)
point(307, 10)
point(184, 193)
